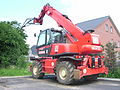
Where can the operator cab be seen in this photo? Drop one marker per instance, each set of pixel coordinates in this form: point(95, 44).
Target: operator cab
point(45, 39)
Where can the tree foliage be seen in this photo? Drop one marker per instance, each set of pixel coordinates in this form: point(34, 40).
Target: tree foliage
point(111, 56)
point(12, 43)
point(119, 55)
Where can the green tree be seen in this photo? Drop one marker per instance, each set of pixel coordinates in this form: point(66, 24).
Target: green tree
point(110, 58)
point(119, 55)
point(12, 43)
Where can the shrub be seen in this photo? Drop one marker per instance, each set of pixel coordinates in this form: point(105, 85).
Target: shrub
point(12, 43)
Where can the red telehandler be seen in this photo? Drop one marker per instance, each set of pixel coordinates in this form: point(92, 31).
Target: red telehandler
point(70, 53)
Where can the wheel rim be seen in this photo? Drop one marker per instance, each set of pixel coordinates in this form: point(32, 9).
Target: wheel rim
point(63, 73)
point(35, 69)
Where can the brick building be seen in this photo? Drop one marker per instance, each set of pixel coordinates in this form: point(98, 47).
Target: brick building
point(104, 27)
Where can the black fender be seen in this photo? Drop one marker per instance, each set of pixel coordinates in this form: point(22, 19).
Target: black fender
point(69, 58)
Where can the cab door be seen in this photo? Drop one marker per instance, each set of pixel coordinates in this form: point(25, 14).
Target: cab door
point(44, 43)
point(41, 43)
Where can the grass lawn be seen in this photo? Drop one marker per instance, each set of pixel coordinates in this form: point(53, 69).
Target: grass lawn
point(24, 71)
point(116, 74)
point(13, 72)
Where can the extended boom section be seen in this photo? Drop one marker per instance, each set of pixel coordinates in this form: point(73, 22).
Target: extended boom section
point(62, 20)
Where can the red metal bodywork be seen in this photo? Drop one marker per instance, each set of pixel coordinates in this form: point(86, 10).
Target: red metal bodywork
point(82, 41)
point(59, 48)
point(81, 45)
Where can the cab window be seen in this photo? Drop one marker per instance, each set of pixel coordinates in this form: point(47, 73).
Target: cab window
point(41, 38)
point(56, 37)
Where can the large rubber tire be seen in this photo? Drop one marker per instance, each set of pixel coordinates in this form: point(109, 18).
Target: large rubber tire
point(37, 70)
point(91, 78)
point(65, 72)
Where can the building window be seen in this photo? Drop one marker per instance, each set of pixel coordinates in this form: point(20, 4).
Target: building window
point(111, 29)
point(107, 28)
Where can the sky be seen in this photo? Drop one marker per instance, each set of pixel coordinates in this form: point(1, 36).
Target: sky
point(76, 10)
